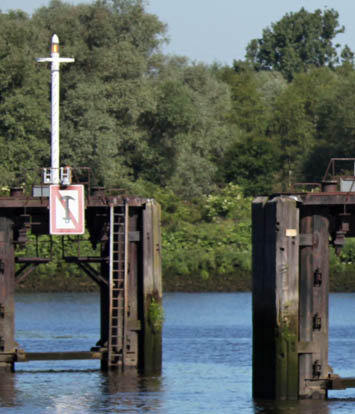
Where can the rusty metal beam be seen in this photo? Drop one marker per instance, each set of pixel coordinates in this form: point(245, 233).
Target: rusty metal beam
point(92, 273)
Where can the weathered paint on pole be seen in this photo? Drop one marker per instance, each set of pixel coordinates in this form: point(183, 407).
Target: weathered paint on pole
point(55, 60)
point(55, 109)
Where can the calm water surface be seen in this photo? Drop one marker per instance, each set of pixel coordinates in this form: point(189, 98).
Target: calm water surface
point(207, 359)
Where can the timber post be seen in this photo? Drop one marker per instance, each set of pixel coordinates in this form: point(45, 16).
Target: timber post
point(7, 292)
point(275, 298)
point(290, 299)
point(152, 290)
point(314, 292)
point(291, 237)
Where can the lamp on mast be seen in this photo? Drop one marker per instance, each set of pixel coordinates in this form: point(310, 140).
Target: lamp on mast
point(53, 176)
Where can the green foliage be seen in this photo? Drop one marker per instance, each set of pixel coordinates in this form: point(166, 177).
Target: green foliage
point(227, 203)
point(252, 163)
point(297, 42)
point(156, 315)
point(249, 110)
point(335, 123)
point(51, 247)
point(347, 254)
point(212, 238)
point(296, 122)
point(22, 107)
point(187, 130)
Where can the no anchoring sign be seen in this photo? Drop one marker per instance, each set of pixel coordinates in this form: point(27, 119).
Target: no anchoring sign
point(67, 209)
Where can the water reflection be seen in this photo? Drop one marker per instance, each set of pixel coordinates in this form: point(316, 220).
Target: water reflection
point(291, 407)
point(7, 389)
point(81, 391)
point(131, 392)
point(129, 381)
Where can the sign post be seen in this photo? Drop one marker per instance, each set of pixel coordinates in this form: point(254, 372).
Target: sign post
point(56, 61)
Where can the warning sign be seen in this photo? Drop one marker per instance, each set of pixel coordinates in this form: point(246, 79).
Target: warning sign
point(66, 206)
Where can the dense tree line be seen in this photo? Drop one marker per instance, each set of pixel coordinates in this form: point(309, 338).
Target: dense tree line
point(201, 139)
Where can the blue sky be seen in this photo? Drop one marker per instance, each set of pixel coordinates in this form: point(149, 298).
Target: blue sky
point(219, 30)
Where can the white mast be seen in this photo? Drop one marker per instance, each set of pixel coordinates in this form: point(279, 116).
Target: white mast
point(56, 61)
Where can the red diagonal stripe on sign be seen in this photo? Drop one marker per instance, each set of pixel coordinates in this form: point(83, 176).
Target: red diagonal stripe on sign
point(71, 216)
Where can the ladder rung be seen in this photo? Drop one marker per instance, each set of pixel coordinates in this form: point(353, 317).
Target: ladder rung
point(117, 289)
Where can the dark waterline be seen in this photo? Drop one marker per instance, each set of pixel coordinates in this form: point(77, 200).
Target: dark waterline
point(206, 361)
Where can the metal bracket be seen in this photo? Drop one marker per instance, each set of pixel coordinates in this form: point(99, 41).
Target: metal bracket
point(134, 236)
point(317, 277)
point(317, 369)
point(317, 322)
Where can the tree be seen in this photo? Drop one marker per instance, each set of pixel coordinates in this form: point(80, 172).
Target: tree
point(23, 101)
point(249, 111)
point(252, 163)
point(187, 131)
point(295, 120)
point(335, 126)
point(296, 42)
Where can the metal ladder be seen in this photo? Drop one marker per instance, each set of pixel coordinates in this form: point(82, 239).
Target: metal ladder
point(118, 284)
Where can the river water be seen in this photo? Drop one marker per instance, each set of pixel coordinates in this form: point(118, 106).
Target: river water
point(206, 362)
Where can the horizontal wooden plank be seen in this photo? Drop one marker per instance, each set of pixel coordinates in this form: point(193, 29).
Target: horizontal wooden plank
point(57, 356)
point(338, 383)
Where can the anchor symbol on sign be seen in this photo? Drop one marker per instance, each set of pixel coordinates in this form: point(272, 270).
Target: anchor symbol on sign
point(66, 200)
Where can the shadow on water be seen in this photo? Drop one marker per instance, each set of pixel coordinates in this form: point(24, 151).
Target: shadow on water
point(129, 382)
point(291, 407)
point(131, 391)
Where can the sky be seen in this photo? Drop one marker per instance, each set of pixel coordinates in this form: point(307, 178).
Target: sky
point(219, 30)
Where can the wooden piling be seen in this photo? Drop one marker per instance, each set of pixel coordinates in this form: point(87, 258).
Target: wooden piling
point(306, 286)
point(314, 292)
point(275, 297)
point(152, 290)
point(134, 288)
point(290, 298)
point(7, 291)
point(143, 314)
